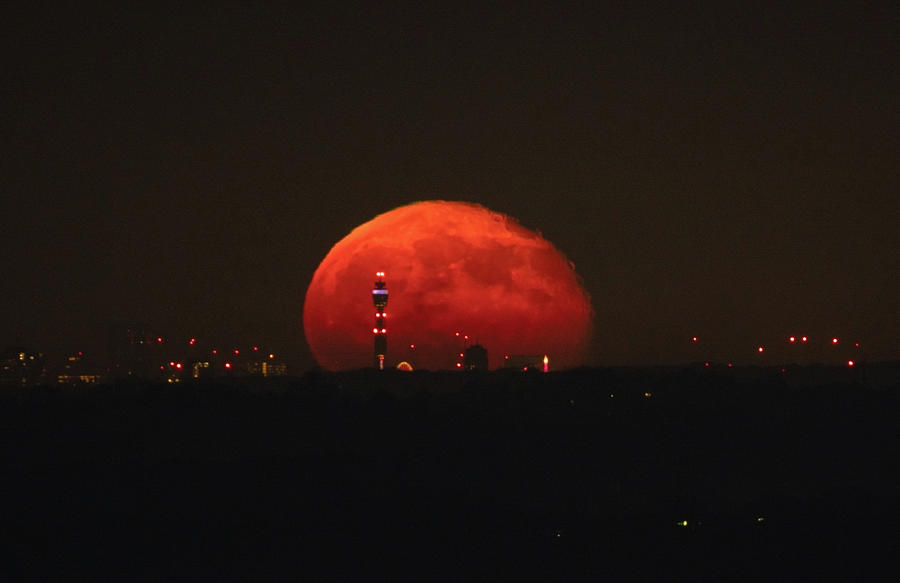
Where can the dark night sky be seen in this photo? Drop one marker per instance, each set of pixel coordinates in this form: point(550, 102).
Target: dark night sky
point(726, 173)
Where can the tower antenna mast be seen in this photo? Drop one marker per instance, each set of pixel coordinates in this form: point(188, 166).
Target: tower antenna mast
point(380, 299)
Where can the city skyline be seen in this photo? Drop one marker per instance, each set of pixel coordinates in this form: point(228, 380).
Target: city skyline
point(724, 173)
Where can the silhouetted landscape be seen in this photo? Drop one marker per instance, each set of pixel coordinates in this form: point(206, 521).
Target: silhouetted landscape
point(680, 473)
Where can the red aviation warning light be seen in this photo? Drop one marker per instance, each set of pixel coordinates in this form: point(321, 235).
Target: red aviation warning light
point(834, 340)
point(851, 363)
point(792, 339)
point(804, 339)
point(761, 349)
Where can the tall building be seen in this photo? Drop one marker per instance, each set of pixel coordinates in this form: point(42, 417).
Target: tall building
point(77, 371)
point(21, 368)
point(380, 299)
point(476, 358)
point(135, 351)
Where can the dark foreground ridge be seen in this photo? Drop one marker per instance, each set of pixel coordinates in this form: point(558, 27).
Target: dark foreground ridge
point(667, 474)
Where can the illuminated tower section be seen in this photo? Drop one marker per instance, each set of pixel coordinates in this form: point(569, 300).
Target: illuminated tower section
point(380, 299)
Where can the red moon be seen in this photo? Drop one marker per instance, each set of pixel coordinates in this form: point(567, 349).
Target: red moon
point(450, 267)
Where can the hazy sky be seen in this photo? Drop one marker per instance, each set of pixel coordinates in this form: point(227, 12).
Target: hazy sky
point(721, 172)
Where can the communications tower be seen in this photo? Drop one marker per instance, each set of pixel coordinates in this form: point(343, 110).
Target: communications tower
point(380, 299)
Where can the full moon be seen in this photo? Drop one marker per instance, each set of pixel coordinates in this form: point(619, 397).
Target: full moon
point(458, 274)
